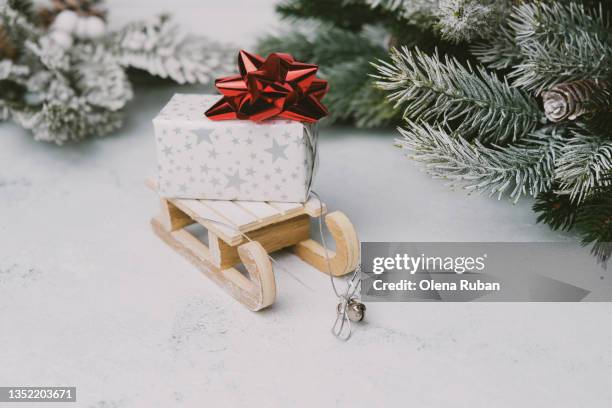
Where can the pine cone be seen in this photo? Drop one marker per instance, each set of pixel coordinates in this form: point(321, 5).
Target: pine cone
point(571, 100)
point(82, 7)
point(7, 50)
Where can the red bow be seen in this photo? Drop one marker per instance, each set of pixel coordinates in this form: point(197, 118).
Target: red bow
point(278, 86)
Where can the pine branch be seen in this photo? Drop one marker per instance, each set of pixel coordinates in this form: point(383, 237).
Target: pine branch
point(554, 23)
point(359, 100)
point(325, 47)
point(343, 58)
point(403, 6)
point(296, 43)
point(341, 97)
point(594, 221)
point(500, 51)
point(158, 47)
point(17, 23)
point(13, 85)
point(347, 14)
point(11, 71)
point(584, 160)
point(540, 42)
point(525, 168)
point(556, 210)
point(467, 20)
point(62, 123)
point(99, 78)
point(25, 8)
point(415, 11)
point(600, 123)
point(408, 22)
point(475, 103)
point(545, 67)
point(456, 20)
point(560, 43)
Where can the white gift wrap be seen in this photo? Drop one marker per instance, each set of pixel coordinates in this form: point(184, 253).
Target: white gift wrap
point(231, 159)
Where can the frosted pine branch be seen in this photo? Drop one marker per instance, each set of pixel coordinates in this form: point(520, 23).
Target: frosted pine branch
point(67, 93)
point(525, 168)
point(159, 47)
point(594, 220)
point(560, 43)
point(551, 23)
point(545, 67)
point(457, 20)
point(407, 9)
point(18, 24)
point(59, 123)
point(474, 102)
point(499, 51)
point(584, 162)
point(13, 72)
point(99, 77)
point(467, 20)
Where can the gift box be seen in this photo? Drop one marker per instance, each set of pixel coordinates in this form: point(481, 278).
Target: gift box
point(271, 160)
point(258, 142)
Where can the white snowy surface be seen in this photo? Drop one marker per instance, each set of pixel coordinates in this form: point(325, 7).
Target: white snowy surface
point(90, 297)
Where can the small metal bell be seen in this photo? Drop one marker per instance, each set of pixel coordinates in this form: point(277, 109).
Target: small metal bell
point(355, 310)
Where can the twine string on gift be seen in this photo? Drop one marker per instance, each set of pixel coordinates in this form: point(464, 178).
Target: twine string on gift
point(341, 328)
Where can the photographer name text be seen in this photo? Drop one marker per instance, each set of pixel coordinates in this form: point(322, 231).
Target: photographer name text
point(432, 284)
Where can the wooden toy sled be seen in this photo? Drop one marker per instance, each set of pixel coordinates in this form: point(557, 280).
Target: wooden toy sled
point(270, 226)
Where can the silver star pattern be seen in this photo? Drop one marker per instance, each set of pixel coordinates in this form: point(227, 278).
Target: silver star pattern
point(234, 180)
point(277, 151)
point(298, 141)
point(240, 160)
point(203, 135)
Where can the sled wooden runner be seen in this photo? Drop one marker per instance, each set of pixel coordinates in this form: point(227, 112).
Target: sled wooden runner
point(270, 226)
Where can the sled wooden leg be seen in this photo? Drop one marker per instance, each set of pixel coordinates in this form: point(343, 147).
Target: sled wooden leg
point(172, 217)
point(346, 256)
point(256, 291)
point(272, 237)
point(256, 260)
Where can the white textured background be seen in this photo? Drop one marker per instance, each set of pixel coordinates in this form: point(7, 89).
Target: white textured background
point(235, 21)
point(90, 297)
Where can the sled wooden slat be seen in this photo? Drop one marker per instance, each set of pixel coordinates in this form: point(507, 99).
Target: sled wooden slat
point(260, 210)
point(287, 208)
point(237, 216)
point(207, 217)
